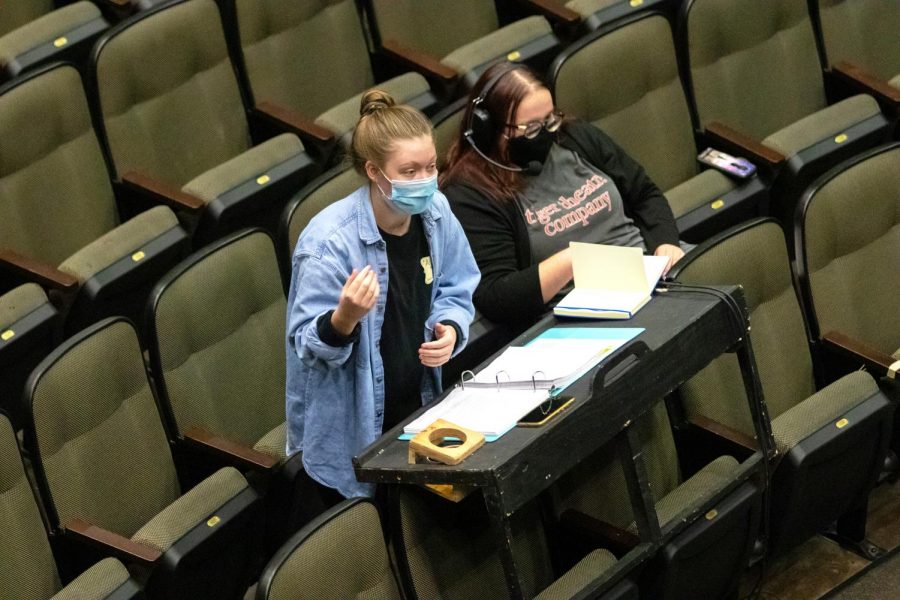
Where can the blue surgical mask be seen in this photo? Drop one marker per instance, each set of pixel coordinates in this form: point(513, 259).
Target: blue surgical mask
point(412, 196)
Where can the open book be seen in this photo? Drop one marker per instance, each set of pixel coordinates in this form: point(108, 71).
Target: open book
point(611, 282)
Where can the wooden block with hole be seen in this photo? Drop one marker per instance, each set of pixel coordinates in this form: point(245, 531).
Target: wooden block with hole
point(428, 443)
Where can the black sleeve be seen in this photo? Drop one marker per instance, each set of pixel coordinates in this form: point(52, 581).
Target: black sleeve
point(458, 331)
point(510, 288)
point(643, 201)
point(333, 337)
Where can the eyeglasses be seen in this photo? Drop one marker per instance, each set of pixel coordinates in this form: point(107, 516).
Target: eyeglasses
point(530, 130)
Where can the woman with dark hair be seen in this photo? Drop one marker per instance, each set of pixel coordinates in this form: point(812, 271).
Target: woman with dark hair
point(524, 182)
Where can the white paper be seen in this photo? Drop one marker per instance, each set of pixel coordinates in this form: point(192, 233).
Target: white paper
point(490, 411)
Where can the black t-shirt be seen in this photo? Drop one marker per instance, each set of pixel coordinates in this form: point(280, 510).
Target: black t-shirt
point(408, 304)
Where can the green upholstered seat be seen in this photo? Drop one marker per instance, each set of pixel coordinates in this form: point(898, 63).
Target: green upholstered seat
point(56, 201)
point(755, 256)
point(16, 14)
point(217, 341)
point(600, 13)
point(447, 124)
point(754, 67)
point(341, 554)
point(862, 32)
point(597, 488)
point(107, 579)
point(849, 249)
point(292, 60)
point(329, 187)
point(33, 31)
point(626, 82)
point(448, 551)
point(475, 39)
point(27, 320)
point(27, 567)
point(179, 118)
point(104, 459)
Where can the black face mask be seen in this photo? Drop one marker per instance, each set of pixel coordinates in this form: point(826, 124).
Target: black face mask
point(523, 151)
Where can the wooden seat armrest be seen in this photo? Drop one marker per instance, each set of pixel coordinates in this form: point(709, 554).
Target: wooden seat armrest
point(161, 192)
point(122, 547)
point(724, 431)
point(242, 455)
point(30, 269)
point(291, 120)
point(554, 11)
point(736, 142)
point(416, 60)
point(844, 345)
point(858, 77)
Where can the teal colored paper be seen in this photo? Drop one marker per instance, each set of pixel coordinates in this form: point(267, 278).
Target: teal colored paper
point(590, 333)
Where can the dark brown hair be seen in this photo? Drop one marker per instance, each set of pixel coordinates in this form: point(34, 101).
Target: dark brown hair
point(381, 122)
point(464, 165)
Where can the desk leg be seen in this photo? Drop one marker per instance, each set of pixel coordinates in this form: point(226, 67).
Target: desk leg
point(759, 412)
point(631, 456)
point(503, 534)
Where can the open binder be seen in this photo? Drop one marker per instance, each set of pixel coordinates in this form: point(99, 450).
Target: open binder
point(611, 282)
point(493, 400)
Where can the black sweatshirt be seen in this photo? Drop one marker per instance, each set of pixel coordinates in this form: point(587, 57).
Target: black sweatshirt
point(510, 287)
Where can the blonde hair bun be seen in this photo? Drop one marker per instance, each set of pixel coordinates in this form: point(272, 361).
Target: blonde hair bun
point(374, 100)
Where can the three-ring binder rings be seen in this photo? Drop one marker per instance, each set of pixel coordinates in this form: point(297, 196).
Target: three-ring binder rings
point(611, 282)
point(493, 400)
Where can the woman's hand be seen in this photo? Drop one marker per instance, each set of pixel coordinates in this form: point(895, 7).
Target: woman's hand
point(438, 351)
point(357, 298)
point(673, 253)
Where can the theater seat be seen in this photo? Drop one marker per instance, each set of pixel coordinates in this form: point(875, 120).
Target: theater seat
point(592, 500)
point(107, 476)
point(59, 223)
point(625, 81)
point(599, 13)
point(27, 334)
point(447, 551)
point(315, 563)
point(831, 442)
point(304, 81)
point(757, 87)
point(446, 125)
point(33, 32)
point(175, 125)
point(473, 42)
point(859, 39)
point(329, 187)
point(216, 341)
point(847, 236)
point(27, 567)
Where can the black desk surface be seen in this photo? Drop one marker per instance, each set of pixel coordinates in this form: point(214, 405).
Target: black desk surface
point(684, 331)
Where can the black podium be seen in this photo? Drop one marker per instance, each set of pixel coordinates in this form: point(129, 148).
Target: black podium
point(684, 329)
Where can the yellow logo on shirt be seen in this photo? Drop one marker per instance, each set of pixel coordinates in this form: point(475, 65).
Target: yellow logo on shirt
point(426, 266)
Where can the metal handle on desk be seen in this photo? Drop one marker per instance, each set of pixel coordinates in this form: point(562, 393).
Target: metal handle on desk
point(635, 348)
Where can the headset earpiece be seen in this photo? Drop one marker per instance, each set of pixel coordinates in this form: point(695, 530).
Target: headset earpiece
point(481, 128)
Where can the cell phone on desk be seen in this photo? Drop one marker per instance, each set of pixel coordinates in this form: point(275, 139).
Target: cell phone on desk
point(728, 164)
point(546, 410)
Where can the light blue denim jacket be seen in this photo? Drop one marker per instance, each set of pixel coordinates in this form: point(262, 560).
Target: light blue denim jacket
point(335, 395)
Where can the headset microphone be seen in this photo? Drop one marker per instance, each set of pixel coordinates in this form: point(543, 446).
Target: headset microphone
point(532, 168)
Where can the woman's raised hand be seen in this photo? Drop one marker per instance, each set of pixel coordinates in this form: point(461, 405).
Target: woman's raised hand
point(358, 296)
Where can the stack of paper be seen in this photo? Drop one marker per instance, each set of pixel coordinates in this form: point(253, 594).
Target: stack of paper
point(493, 412)
point(611, 282)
